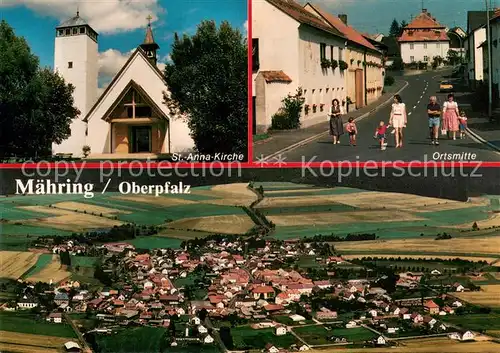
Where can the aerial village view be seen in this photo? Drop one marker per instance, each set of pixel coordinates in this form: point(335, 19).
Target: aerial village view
point(250, 267)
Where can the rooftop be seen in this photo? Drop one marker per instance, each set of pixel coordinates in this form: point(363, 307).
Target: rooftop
point(74, 21)
point(297, 12)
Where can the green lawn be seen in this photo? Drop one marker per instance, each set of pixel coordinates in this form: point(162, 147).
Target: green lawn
point(83, 261)
point(152, 242)
point(245, 337)
point(29, 323)
point(475, 322)
point(317, 335)
point(137, 340)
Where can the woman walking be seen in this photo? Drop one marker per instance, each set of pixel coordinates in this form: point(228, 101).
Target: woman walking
point(336, 126)
point(450, 116)
point(398, 119)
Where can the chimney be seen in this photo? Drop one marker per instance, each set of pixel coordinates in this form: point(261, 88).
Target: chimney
point(343, 18)
point(424, 10)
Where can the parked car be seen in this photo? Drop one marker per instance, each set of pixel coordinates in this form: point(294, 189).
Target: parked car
point(446, 86)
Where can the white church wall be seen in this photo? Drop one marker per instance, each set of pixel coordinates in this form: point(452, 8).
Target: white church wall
point(140, 71)
point(75, 59)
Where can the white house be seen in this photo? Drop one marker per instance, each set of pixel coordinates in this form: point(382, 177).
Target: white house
point(381, 340)
point(291, 58)
point(423, 39)
point(351, 324)
point(280, 331)
point(27, 302)
point(462, 336)
point(495, 52)
point(476, 35)
point(208, 339)
point(202, 329)
point(304, 348)
point(129, 117)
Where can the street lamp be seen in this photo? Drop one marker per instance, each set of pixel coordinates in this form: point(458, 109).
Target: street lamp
point(488, 43)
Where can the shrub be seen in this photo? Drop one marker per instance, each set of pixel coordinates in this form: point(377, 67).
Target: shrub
point(325, 63)
point(334, 64)
point(288, 116)
point(343, 65)
point(389, 81)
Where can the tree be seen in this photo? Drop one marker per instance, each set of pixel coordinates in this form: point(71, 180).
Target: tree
point(453, 57)
point(36, 105)
point(403, 25)
point(65, 258)
point(226, 337)
point(207, 83)
point(202, 314)
point(395, 29)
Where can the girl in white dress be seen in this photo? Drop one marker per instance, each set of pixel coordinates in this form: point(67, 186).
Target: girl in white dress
point(398, 119)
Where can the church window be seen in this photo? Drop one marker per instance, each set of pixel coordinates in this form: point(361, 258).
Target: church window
point(68, 32)
point(75, 30)
point(82, 30)
point(70, 64)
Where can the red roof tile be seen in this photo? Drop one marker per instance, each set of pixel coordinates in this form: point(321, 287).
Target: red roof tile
point(424, 20)
point(349, 32)
point(297, 12)
point(276, 76)
point(424, 36)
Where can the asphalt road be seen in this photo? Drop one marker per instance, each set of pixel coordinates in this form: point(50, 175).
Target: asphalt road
point(417, 144)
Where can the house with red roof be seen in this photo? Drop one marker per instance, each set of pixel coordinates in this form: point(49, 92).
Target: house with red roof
point(423, 39)
point(294, 48)
point(364, 74)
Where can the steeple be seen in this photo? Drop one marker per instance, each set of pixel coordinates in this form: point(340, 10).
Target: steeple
point(149, 45)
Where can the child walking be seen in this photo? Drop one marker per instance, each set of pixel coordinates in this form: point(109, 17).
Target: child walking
point(380, 134)
point(462, 119)
point(352, 130)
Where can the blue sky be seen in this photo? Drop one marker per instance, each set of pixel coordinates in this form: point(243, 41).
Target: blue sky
point(375, 16)
point(121, 24)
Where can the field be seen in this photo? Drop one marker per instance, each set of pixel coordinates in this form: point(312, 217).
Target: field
point(212, 209)
point(137, 340)
point(43, 260)
point(304, 211)
point(53, 272)
point(484, 246)
point(14, 264)
point(249, 338)
point(432, 345)
point(420, 257)
point(16, 342)
point(475, 322)
point(488, 296)
point(28, 323)
point(319, 335)
point(230, 224)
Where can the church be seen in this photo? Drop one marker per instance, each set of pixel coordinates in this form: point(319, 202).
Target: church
point(129, 119)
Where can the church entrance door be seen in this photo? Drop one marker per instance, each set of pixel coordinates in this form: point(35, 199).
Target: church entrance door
point(140, 139)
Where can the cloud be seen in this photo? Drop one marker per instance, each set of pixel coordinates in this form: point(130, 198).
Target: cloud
point(110, 16)
point(111, 61)
point(245, 26)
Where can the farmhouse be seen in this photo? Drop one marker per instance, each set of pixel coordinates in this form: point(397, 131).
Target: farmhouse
point(431, 307)
point(71, 346)
point(423, 39)
point(300, 54)
point(364, 78)
point(27, 301)
point(55, 317)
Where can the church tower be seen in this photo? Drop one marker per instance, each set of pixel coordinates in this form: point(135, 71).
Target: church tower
point(149, 46)
point(76, 60)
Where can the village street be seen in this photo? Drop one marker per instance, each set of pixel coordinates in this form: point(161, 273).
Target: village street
point(416, 140)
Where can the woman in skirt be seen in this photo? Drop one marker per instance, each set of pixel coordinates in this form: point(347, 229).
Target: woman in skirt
point(336, 126)
point(450, 117)
point(398, 119)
